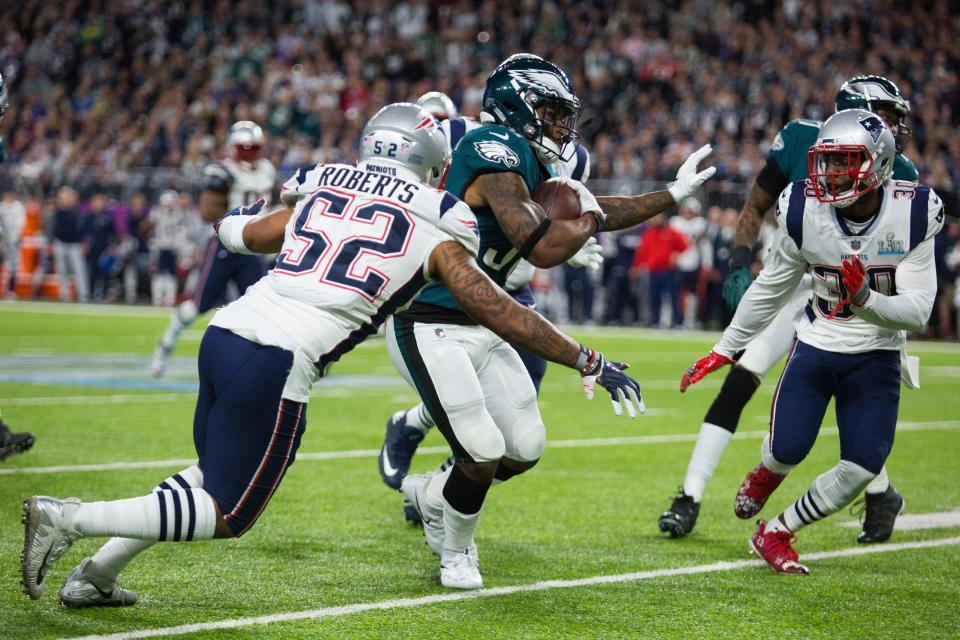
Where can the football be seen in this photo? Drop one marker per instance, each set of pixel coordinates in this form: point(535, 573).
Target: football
point(558, 199)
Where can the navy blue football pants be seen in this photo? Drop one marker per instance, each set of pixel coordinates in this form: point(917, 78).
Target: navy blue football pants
point(218, 269)
point(535, 365)
point(866, 388)
point(245, 432)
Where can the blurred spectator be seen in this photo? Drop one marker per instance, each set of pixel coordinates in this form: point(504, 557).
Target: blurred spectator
point(622, 300)
point(13, 217)
point(67, 233)
point(660, 247)
point(137, 251)
point(693, 226)
point(947, 259)
point(721, 228)
point(102, 238)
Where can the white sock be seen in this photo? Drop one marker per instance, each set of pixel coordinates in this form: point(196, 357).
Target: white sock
point(828, 493)
point(776, 524)
point(116, 553)
point(879, 484)
point(179, 515)
point(711, 443)
point(459, 528)
point(183, 316)
point(419, 418)
point(766, 456)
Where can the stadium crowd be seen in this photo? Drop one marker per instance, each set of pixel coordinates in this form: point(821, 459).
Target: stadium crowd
point(101, 90)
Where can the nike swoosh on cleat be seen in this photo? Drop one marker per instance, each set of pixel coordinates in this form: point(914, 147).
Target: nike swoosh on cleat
point(387, 467)
point(43, 567)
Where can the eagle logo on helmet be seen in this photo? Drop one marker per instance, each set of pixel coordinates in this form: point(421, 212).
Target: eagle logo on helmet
point(547, 81)
point(497, 152)
point(874, 126)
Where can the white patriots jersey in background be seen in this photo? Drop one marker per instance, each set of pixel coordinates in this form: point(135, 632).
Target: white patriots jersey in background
point(248, 181)
point(355, 250)
point(577, 168)
point(896, 248)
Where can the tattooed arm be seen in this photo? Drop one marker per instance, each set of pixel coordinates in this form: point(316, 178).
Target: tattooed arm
point(751, 217)
point(627, 211)
point(490, 305)
point(520, 217)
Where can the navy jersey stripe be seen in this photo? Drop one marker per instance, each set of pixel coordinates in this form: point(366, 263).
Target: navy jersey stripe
point(458, 129)
point(163, 515)
point(918, 215)
point(582, 158)
point(448, 202)
point(402, 296)
point(798, 201)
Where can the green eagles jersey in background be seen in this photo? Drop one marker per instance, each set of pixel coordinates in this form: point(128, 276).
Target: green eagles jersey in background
point(3, 150)
point(487, 149)
point(789, 151)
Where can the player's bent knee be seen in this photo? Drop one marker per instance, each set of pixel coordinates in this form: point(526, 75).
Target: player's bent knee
point(484, 445)
point(738, 387)
point(528, 443)
point(841, 485)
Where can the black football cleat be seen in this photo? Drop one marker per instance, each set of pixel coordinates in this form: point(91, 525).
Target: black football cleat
point(679, 519)
point(11, 443)
point(878, 512)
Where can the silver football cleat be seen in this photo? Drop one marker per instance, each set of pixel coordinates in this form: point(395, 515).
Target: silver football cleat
point(47, 534)
point(82, 589)
point(414, 489)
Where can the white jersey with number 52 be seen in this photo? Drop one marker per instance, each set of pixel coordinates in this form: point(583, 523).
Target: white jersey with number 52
point(355, 251)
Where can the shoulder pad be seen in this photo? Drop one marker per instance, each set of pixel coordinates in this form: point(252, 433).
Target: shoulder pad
point(217, 178)
point(493, 146)
point(458, 222)
point(790, 208)
point(904, 169)
point(926, 215)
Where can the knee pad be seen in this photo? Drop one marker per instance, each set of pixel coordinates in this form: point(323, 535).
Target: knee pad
point(528, 443)
point(738, 387)
point(841, 485)
point(476, 432)
point(187, 312)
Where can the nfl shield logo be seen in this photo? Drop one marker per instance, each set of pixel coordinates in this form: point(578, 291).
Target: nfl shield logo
point(440, 333)
point(855, 245)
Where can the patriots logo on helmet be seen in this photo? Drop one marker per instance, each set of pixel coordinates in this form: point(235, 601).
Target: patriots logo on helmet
point(497, 152)
point(874, 126)
point(547, 81)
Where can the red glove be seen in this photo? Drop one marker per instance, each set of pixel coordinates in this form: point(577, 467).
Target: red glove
point(855, 281)
point(702, 367)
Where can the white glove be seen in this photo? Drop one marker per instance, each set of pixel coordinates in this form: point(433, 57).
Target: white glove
point(590, 256)
point(688, 180)
point(588, 202)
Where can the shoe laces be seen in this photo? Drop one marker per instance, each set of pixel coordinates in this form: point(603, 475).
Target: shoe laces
point(782, 544)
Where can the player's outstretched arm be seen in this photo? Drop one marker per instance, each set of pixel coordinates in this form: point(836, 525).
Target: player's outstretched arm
point(543, 242)
point(490, 305)
point(622, 212)
point(212, 205)
point(748, 231)
point(242, 230)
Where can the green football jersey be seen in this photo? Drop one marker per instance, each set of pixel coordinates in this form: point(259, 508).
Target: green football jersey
point(3, 150)
point(487, 149)
point(789, 151)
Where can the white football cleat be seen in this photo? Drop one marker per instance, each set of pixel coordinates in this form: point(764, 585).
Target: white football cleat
point(47, 534)
point(414, 488)
point(158, 365)
point(460, 569)
point(81, 589)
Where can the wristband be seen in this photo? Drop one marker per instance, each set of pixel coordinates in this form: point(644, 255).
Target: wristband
point(230, 232)
point(589, 361)
point(740, 257)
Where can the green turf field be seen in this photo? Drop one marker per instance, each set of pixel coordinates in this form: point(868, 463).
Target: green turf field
point(569, 550)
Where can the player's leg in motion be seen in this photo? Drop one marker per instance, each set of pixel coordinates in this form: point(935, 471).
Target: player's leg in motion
point(407, 428)
point(722, 418)
point(867, 391)
point(210, 287)
point(12, 442)
point(248, 424)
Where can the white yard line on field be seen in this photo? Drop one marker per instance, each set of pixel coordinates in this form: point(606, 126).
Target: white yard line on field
point(370, 453)
point(118, 398)
point(914, 521)
point(547, 585)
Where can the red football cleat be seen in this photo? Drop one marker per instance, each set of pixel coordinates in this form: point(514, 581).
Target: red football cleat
point(754, 491)
point(776, 548)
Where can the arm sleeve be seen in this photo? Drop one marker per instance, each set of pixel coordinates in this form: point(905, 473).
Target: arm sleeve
point(782, 271)
point(916, 283)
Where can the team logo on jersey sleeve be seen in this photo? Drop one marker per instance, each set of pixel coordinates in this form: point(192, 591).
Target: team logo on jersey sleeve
point(497, 152)
point(777, 143)
point(890, 246)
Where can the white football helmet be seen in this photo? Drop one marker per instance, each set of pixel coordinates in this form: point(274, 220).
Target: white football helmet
point(853, 154)
point(246, 141)
point(438, 104)
point(406, 135)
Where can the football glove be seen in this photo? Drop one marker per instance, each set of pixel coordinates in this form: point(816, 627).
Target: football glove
point(707, 364)
point(735, 285)
point(855, 281)
point(610, 375)
point(688, 179)
point(590, 256)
